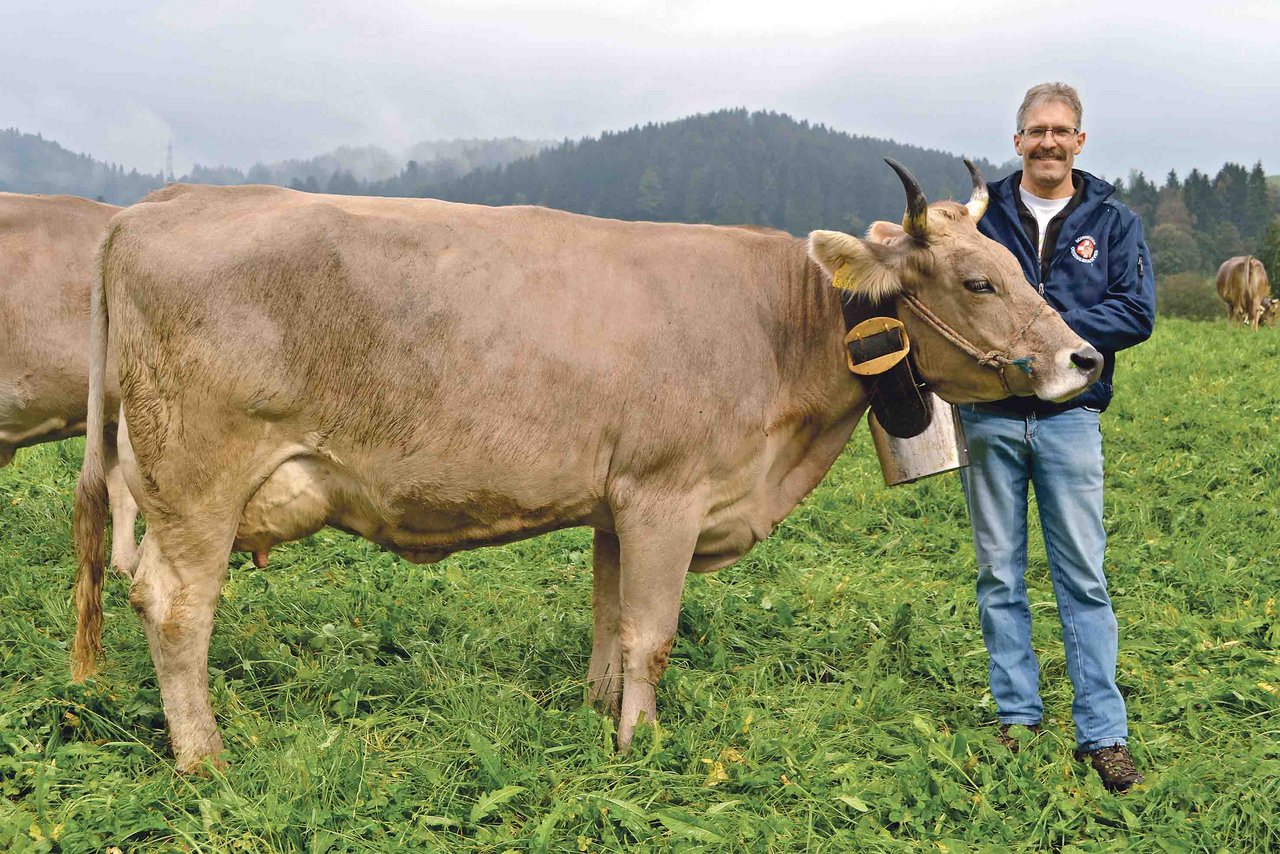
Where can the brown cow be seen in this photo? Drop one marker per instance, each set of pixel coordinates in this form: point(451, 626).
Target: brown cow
point(47, 246)
point(1243, 286)
point(436, 377)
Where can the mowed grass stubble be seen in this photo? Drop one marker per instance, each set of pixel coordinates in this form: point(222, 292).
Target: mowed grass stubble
point(827, 693)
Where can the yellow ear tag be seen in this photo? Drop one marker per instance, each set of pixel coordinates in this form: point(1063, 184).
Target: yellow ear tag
point(842, 278)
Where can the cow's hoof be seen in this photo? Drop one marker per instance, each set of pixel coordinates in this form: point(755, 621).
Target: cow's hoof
point(609, 705)
point(202, 766)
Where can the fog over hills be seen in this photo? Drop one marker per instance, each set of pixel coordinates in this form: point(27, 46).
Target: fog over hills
point(29, 163)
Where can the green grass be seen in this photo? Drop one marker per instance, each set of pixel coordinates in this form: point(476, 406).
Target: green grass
point(828, 693)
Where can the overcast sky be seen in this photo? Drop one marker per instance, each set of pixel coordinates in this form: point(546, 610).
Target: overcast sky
point(1165, 85)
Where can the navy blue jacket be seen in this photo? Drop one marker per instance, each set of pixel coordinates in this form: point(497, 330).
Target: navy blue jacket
point(1100, 277)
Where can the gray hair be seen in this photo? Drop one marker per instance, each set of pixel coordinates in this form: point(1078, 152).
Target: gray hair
point(1048, 92)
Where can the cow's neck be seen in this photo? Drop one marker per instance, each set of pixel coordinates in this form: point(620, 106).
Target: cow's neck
point(819, 401)
point(810, 347)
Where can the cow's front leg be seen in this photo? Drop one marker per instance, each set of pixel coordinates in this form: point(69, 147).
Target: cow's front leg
point(175, 593)
point(604, 675)
point(655, 558)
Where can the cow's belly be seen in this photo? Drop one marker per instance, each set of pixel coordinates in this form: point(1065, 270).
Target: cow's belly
point(14, 435)
point(28, 416)
point(305, 494)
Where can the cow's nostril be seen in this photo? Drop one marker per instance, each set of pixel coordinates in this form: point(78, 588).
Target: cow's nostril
point(1086, 360)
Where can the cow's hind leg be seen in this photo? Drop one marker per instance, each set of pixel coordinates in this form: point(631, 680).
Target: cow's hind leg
point(124, 513)
point(180, 571)
point(655, 553)
point(604, 675)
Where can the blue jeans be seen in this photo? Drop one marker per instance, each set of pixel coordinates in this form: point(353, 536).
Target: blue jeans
point(1061, 455)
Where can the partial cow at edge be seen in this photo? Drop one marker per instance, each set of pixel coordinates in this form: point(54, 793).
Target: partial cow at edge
point(436, 376)
point(1245, 288)
point(47, 248)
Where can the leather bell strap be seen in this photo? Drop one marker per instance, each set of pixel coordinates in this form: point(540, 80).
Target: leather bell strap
point(879, 358)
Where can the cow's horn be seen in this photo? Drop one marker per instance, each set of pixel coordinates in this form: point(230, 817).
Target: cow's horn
point(977, 203)
point(916, 222)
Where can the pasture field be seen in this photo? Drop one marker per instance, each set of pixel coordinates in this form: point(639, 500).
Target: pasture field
point(828, 693)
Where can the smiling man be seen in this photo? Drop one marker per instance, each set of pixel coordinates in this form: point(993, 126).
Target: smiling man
point(1086, 254)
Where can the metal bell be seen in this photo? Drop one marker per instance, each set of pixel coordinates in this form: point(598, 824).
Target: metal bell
point(940, 448)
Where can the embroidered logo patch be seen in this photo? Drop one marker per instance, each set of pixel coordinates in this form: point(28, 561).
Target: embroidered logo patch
point(1086, 249)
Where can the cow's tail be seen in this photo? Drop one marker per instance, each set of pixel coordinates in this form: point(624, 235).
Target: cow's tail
point(89, 518)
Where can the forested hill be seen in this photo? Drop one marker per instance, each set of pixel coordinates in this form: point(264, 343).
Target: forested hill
point(730, 166)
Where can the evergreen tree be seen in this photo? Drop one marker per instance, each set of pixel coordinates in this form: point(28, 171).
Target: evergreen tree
point(1141, 196)
point(1268, 251)
point(650, 200)
point(1257, 204)
point(1198, 194)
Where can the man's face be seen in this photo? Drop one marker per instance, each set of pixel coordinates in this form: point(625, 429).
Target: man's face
point(1047, 159)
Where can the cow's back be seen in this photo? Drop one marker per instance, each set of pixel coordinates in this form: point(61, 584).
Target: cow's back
point(47, 248)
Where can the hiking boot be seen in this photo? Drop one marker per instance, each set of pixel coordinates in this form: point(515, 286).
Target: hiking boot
point(1009, 741)
point(1114, 765)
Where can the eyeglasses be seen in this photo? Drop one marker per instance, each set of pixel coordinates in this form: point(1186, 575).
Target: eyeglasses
point(1059, 134)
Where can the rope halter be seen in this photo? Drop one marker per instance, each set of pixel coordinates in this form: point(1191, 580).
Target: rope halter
point(998, 360)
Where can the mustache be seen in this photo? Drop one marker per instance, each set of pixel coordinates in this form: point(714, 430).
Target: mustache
point(1049, 155)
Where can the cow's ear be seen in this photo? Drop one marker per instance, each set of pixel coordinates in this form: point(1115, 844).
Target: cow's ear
point(885, 232)
point(857, 265)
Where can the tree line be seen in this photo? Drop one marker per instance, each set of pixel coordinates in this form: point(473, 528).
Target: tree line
point(1194, 224)
point(766, 168)
point(729, 167)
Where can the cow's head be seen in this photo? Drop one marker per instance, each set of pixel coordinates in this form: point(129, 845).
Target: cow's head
point(978, 330)
point(1270, 311)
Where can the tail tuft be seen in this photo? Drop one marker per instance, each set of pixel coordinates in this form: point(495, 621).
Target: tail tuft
point(88, 522)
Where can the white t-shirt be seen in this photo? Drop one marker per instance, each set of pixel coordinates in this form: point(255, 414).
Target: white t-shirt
point(1043, 210)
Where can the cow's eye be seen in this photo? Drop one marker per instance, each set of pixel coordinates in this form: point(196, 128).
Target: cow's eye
point(979, 286)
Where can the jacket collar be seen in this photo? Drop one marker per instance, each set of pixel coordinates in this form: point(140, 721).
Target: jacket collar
point(1005, 191)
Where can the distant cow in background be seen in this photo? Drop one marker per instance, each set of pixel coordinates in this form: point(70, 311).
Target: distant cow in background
point(47, 247)
point(1244, 287)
